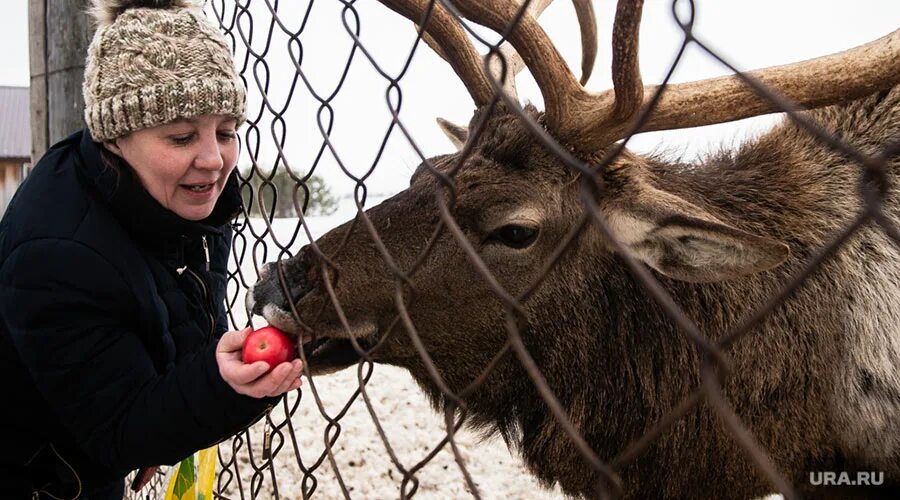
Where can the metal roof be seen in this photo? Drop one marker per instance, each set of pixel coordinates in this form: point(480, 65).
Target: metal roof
point(15, 123)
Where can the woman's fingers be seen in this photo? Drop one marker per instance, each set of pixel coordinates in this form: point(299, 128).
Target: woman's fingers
point(242, 374)
point(285, 377)
point(280, 380)
point(281, 384)
point(293, 376)
point(232, 342)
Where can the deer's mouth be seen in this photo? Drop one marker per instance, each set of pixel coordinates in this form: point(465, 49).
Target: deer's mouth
point(326, 355)
point(328, 348)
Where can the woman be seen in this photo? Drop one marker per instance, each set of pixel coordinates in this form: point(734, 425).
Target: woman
point(114, 349)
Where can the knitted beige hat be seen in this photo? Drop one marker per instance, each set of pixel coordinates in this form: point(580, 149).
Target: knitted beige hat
point(152, 62)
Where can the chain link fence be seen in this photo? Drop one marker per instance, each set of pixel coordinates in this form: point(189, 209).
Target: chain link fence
point(307, 447)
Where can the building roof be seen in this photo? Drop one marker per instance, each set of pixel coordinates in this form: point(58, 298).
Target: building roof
point(15, 123)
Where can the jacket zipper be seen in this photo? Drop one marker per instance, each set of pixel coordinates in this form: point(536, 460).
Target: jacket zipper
point(205, 251)
point(207, 301)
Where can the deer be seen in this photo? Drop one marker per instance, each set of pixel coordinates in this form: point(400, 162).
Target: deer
point(549, 285)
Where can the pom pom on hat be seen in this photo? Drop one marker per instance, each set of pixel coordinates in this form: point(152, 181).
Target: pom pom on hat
point(105, 12)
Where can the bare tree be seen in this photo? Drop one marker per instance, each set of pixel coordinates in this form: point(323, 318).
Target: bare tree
point(277, 188)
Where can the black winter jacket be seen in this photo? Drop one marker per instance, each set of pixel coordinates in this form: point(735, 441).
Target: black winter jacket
point(109, 315)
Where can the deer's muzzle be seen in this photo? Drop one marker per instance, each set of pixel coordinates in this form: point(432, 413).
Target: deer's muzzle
point(280, 290)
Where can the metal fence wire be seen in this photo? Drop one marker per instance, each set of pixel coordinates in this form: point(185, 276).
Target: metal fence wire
point(268, 460)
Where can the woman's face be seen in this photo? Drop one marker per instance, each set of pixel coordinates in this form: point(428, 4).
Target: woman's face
point(183, 164)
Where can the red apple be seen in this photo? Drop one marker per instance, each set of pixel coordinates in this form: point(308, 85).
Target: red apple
point(268, 344)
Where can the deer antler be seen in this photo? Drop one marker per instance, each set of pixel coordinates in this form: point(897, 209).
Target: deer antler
point(584, 11)
point(628, 87)
point(590, 121)
point(814, 83)
point(537, 51)
point(587, 23)
point(514, 63)
point(445, 35)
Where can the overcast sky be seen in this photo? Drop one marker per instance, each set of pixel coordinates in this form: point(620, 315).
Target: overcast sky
point(749, 34)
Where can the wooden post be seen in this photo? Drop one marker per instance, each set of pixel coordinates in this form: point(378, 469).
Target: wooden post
point(60, 35)
point(37, 47)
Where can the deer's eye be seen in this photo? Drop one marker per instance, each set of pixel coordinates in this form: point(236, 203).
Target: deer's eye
point(513, 236)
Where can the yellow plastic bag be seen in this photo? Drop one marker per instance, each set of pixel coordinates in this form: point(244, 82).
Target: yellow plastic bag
point(193, 477)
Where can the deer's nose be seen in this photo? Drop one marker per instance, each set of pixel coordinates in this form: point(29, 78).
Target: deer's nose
point(270, 290)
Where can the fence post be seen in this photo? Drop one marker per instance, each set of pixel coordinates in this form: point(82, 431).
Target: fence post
point(37, 49)
point(60, 33)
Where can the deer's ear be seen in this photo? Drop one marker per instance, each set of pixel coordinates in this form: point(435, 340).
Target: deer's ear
point(683, 241)
point(456, 133)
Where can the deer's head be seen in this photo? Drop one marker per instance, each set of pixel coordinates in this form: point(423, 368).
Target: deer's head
point(441, 267)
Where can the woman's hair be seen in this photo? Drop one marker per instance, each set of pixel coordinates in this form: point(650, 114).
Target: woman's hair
point(111, 161)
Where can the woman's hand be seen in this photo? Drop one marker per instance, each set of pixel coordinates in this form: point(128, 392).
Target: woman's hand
point(252, 380)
